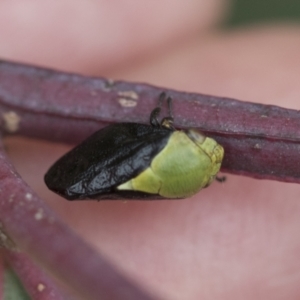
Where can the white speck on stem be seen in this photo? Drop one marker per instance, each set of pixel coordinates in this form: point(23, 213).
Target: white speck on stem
point(39, 214)
point(28, 196)
point(128, 98)
point(41, 287)
point(11, 121)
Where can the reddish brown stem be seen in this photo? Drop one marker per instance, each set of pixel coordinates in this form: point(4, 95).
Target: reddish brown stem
point(2, 270)
point(38, 231)
point(34, 280)
point(260, 141)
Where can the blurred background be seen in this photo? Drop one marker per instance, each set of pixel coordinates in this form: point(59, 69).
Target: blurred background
point(237, 241)
point(118, 39)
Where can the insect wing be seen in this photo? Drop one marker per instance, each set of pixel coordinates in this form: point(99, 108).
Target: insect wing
point(106, 159)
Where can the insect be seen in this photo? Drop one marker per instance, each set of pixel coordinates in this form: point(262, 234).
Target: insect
point(137, 161)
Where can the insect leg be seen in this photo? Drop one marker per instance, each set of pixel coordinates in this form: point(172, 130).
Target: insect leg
point(168, 121)
point(156, 111)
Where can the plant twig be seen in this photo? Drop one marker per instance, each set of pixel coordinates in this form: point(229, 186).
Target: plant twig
point(37, 230)
point(35, 281)
point(260, 141)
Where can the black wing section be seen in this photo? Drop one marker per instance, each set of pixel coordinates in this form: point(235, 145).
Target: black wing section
point(109, 157)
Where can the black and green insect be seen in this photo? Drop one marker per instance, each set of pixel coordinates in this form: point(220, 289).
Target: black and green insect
point(137, 161)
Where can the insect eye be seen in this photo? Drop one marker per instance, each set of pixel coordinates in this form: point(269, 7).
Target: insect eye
point(196, 136)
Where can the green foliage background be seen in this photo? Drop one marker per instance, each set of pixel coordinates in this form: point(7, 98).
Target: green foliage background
point(244, 12)
point(12, 287)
